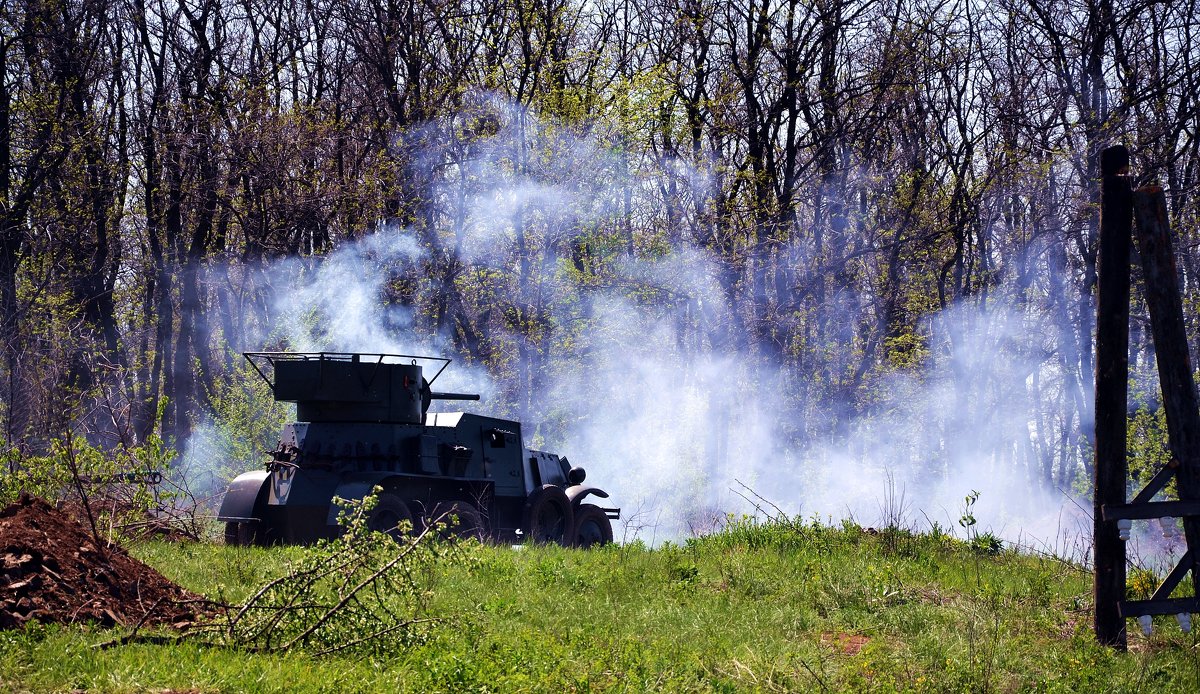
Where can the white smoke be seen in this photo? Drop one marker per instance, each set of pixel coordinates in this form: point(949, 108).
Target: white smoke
point(679, 426)
point(691, 437)
point(339, 303)
point(336, 303)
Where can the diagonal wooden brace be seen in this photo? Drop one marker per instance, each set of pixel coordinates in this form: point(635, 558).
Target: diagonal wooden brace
point(1180, 400)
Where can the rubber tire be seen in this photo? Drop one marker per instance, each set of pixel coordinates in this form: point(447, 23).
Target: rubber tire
point(549, 517)
point(238, 534)
point(469, 525)
point(235, 534)
point(592, 527)
point(388, 513)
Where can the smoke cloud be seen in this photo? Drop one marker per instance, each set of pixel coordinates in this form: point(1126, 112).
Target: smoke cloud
point(645, 387)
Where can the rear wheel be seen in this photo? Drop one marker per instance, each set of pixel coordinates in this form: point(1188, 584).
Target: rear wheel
point(461, 520)
point(388, 514)
point(592, 527)
point(239, 534)
point(549, 516)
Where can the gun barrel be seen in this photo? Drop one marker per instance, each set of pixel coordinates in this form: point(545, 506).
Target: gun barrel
point(454, 396)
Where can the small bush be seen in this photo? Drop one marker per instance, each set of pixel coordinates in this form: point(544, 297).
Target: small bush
point(1141, 583)
point(362, 592)
point(987, 544)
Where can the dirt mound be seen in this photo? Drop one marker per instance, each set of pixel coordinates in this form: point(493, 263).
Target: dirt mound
point(52, 571)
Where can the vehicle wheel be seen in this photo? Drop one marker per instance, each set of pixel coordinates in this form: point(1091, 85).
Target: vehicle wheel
point(467, 521)
point(549, 516)
point(389, 512)
point(592, 527)
point(238, 534)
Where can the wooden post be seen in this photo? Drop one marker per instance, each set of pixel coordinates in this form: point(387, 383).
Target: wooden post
point(1112, 381)
point(1180, 400)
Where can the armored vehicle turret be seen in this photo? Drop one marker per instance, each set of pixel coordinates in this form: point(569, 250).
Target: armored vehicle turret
point(363, 421)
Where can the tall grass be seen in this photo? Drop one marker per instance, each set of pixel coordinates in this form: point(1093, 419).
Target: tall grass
point(779, 605)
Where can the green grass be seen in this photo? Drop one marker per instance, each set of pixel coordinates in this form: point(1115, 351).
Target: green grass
point(774, 608)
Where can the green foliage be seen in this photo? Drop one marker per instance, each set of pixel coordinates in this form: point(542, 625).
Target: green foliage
point(1141, 583)
point(246, 423)
point(781, 533)
point(967, 519)
point(74, 463)
point(49, 388)
point(759, 606)
point(908, 350)
point(841, 187)
point(1147, 442)
point(359, 593)
point(986, 543)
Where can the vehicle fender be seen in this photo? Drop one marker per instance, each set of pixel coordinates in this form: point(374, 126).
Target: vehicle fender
point(242, 497)
point(358, 487)
point(577, 493)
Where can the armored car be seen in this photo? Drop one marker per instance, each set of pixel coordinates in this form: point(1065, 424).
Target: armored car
point(363, 421)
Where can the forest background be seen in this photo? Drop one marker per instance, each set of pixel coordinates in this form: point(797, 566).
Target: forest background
point(842, 252)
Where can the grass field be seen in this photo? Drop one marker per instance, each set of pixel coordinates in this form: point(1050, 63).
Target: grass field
point(777, 607)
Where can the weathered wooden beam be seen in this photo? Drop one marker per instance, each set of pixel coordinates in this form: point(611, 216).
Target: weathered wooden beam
point(1172, 580)
point(1112, 380)
point(1137, 608)
point(1151, 509)
point(1180, 400)
point(1164, 475)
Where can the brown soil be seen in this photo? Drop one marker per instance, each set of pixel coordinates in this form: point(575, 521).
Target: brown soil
point(52, 570)
point(846, 644)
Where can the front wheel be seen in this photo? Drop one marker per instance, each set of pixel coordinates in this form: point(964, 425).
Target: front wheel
point(592, 527)
point(549, 516)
